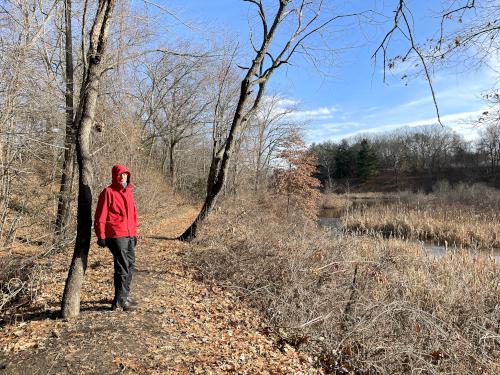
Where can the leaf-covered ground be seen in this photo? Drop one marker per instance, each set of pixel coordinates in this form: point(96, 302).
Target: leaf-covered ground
point(182, 326)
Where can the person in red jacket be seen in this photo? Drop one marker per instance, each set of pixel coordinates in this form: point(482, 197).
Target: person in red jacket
point(115, 226)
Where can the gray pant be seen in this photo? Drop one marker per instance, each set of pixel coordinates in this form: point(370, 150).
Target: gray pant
point(123, 250)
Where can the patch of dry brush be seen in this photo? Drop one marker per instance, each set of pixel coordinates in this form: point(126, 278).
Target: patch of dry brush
point(360, 304)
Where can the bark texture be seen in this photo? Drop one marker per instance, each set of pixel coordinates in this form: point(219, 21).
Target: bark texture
point(68, 168)
point(85, 116)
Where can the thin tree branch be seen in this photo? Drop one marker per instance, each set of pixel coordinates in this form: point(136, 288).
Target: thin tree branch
point(408, 34)
point(173, 15)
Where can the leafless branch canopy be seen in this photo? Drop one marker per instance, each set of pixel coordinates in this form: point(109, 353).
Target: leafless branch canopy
point(473, 39)
point(402, 24)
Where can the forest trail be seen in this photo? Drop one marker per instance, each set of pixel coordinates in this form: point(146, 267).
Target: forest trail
point(182, 326)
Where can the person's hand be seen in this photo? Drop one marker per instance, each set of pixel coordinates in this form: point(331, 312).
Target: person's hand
point(135, 240)
point(101, 243)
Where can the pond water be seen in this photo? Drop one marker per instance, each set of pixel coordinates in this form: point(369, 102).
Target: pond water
point(330, 218)
point(330, 222)
point(439, 251)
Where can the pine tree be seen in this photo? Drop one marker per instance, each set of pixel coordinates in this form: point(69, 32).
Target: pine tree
point(366, 161)
point(345, 161)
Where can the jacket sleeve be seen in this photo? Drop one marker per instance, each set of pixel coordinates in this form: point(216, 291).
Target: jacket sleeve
point(135, 215)
point(101, 214)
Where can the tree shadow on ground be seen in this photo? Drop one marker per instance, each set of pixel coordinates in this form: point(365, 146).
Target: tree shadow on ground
point(52, 312)
point(100, 305)
point(162, 238)
point(31, 315)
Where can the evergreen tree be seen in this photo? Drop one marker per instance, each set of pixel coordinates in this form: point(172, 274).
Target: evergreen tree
point(345, 161)
point(366, 160)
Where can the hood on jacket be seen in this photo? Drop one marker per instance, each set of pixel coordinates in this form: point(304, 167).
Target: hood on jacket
point(117, 170)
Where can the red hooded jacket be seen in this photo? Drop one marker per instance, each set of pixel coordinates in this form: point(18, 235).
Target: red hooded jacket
point(115, 215)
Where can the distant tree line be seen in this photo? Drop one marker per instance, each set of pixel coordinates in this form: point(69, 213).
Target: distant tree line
point(409, 157)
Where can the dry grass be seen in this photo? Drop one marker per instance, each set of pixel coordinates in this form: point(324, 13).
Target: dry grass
point(458, 225)
point(344, 201)
point(462, 217)
point(336, 202)
point(361, 304)
point(20, 281)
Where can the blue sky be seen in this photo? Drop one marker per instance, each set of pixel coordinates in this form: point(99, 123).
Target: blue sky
point(348, 97)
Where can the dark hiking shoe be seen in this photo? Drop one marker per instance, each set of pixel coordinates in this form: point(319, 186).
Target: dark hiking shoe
point(126, 306)
point(132, 302)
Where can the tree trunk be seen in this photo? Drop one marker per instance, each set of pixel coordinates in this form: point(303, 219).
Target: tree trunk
point(88, 98)
point(215, 184)
point(217, 175)
point(171, 165)
point(68, 169)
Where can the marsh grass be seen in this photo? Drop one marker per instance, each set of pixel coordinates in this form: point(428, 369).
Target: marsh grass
point(336, 202)
point(458, 225)
point(360, 304)
point(467, 216)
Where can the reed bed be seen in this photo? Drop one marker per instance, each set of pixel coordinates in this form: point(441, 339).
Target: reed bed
point(345, 201)
point(456, 224)
point(360, 304)
point(455, 217)
point(336, 201)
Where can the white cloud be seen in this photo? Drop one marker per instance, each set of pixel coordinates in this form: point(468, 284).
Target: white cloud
point(493, 66)
point(321, 132)
point(279, 101)
point(459, 122)
point(280, 105)
point(286, 103)
point(450, 119)
point(401, 107)
point(322, 113)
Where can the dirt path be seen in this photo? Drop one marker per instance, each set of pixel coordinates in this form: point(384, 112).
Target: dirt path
point(182, 326)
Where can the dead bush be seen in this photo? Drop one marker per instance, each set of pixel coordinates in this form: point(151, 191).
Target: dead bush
point(477, 195)
point(20, 279)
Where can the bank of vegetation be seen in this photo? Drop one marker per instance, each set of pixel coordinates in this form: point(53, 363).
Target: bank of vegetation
point(361, 304)
point(460, 216)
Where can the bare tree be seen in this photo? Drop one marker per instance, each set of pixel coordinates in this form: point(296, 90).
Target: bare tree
point(28, 93)
point(468, 35)
point(489, 143)
point(404, 25)
point(183, 110)
point(68, 168)
point(325, 156)
point(305, 18)
point(173, 96)
point(70, 305)
point(268, 131)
